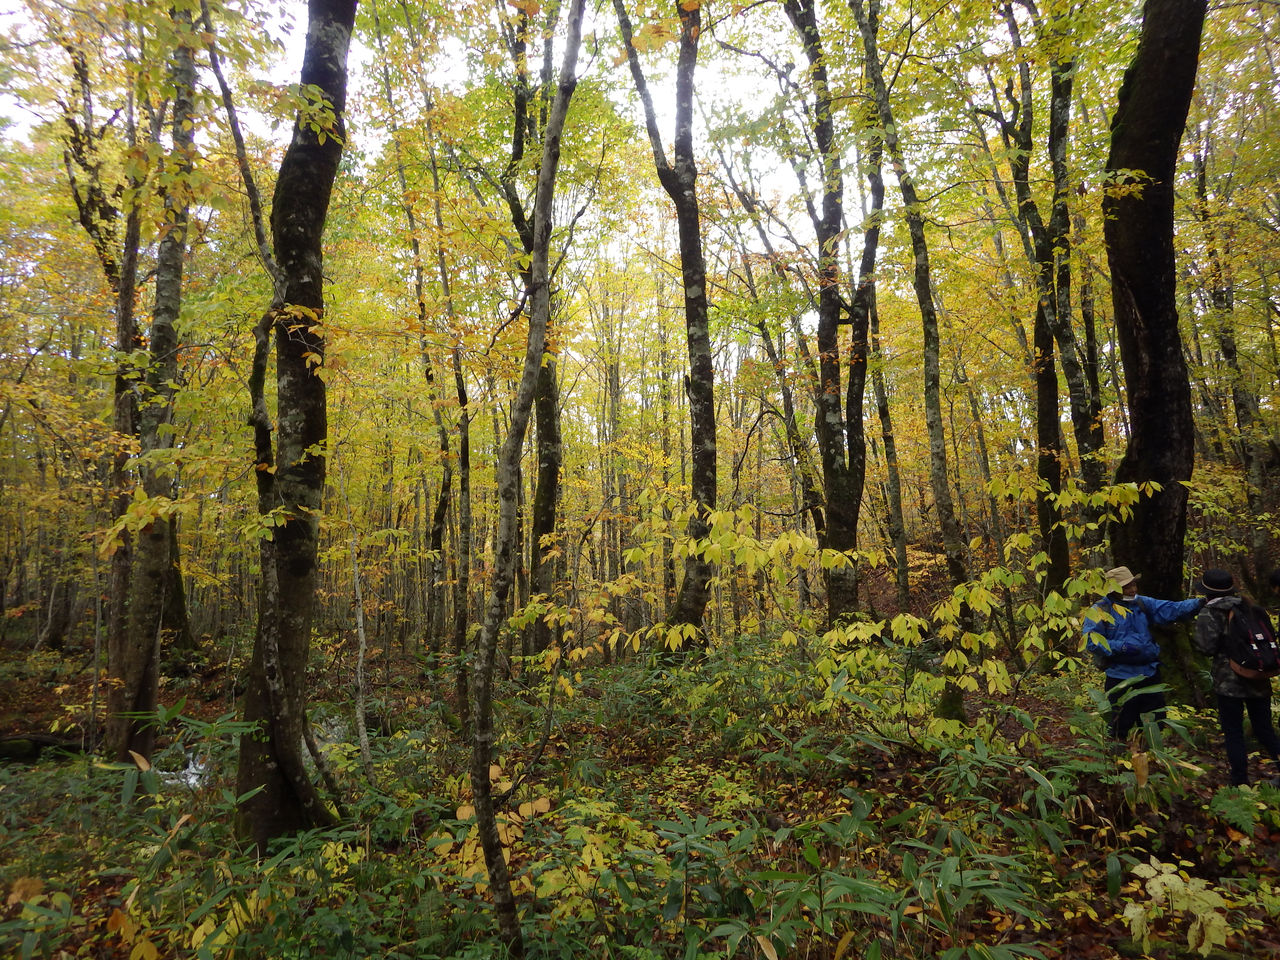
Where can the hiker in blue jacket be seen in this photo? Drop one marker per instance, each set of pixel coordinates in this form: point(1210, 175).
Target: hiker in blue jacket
point(1235, 694)
point(1117, 632)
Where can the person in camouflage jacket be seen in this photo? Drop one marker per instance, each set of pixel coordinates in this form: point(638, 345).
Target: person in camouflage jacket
point(1235, 694)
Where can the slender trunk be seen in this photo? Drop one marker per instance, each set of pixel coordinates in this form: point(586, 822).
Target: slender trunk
point(357, 598)
point(952, 702)
point(507, 480)
point(838, 419)
point(922, 283)
point(123, 734)
point(893, 479)
point(155, 585)
point(542, 573)
point(679, 181)
point(462, 582)
point(801, 461)
point(1251, 446)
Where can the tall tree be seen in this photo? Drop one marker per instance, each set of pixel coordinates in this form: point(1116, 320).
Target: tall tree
point(1146, 131)
point(508, 481)
point(525, 131)
point(868, 20)
point(838, 420)
point(154, 586)
point(291, 478)
point(147, 599)
point(678, 177)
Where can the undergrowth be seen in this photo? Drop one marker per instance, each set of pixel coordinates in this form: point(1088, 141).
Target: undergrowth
point(763, 800)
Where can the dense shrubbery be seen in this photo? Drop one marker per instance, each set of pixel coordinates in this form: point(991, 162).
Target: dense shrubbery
point(767, 800)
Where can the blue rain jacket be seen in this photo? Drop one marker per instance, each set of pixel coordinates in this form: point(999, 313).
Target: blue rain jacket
point(1118, 632)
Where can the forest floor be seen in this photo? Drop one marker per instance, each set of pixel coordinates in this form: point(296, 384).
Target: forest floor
point(750, 811)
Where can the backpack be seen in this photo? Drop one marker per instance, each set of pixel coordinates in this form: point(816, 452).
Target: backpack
point(1250, 643)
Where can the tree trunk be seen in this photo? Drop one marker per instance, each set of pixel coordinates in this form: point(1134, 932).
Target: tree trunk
point(1138, 225)
point(838, 418)
point(507, 480)
point(804, 474)
point(546, 492)
point(952, 703)
point(678, 179)
point(435, 562)
point(893, 479)
point(154, 558)
point(542, 572)
point(1252, 447)
point(122, 734)
point(462, 582)
point(291, 486)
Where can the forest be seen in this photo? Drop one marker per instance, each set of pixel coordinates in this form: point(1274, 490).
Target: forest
point(539, 478)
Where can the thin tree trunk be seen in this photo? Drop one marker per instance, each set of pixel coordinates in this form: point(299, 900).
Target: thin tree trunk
point(838, 419)
point(542, 572)
point(507, 480)
point(1251, 446)
point(123, 734)
point(952, 703)
point(155, 586)
point(679, 181)
point(893, 478)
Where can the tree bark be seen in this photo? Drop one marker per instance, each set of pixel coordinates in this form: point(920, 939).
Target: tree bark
point(893, 478)
point(838, 418)
point(526, 126)
point(1252, 446)
point(542, 568)
point(952, 703)
point(154, 558)
point(678, 179)
point(291, 485)
point(435, 561)
point(507, 480)
point(922, 283)
point(1138, 226)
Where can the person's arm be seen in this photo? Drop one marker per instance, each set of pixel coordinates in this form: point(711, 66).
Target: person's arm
point(1167, 611)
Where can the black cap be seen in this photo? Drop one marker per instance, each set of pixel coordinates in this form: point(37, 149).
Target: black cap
point(1217, 582)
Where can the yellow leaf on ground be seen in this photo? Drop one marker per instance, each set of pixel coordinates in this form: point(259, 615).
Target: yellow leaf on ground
point(766, 946)
point(24, 888)
point(466, 812)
